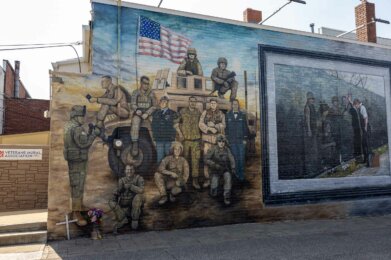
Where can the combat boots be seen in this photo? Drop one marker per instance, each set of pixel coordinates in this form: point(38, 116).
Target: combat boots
point(80, 220)
point(163, 200)
point(206, 183)
point(172, 198)
point(196, 185)
point(227, 197)
point(120, 224)
point(134, 224)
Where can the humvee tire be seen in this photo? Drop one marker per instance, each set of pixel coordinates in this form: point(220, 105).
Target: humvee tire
point(146, 150)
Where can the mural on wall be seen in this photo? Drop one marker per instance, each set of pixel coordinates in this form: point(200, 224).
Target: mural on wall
point(328, 123)
point(165, 132)
point(339, 117)
point(164, 150)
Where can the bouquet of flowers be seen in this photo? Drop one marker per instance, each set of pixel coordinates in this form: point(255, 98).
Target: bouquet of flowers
point(94, 217)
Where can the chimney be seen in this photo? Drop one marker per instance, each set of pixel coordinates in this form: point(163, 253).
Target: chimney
point(252, 16)
point(365, 12)
point(16, 79)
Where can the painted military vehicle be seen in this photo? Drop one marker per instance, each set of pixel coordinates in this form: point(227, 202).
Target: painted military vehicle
point(179, 91)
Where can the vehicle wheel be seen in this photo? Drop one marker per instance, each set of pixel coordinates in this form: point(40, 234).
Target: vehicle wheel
point(149, 161)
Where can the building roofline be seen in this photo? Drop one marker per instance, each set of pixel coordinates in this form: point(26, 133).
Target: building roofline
point(235, 22)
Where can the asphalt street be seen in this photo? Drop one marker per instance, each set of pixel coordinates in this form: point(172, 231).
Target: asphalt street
point(352, 238)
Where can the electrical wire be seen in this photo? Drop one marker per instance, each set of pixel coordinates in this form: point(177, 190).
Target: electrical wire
point(43, 46)
point(40, 44)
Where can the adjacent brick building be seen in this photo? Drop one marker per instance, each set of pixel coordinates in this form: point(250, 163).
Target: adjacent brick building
point(23, 184)
point(19, 113)
point(25, 115)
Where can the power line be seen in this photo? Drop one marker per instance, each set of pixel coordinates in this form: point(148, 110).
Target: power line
point(39, 46)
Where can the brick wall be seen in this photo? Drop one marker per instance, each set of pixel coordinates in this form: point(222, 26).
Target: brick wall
point(364, 14)
point(252, 16)
point(9, 81)
point(24, 184)
point(9, 84)
point(25, 116)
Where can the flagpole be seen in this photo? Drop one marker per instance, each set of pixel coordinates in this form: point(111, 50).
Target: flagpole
point(118, 41)
point(136, 52)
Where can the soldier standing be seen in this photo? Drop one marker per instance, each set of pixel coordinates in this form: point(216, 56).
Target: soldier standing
point(190, 66)
point(223, 79)
point(212, 123)
point(221, 162)
point(237, 132)
point(172, 174)
point(163, 128)
point(143, 104)
point(191, 137)
point(311, 153)
point(114, 101)
point(76, 145)
point(128, 198)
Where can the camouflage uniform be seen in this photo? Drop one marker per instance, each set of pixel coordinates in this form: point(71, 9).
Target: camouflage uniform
point(208, 138)
point(113, 102)
point(188, 65)
point(221, 163)
point(146, 103)
point(163, 179)
point(220, 76)
point(192, 137)
point(128, 198)
point(76, 145)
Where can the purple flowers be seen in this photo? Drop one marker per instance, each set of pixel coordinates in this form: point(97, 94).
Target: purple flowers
point(95, 215)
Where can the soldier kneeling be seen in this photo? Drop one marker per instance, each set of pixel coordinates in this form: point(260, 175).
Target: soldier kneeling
point(172, 174)
point(128, 198)
point(221, 163)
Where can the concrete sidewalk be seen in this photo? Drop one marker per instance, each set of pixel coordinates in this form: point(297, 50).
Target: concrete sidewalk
point(353, 238)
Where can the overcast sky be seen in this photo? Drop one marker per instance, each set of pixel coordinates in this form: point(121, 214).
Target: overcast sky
point(53, 21)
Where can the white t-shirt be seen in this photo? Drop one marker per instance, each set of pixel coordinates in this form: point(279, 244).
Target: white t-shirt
point(363, 111)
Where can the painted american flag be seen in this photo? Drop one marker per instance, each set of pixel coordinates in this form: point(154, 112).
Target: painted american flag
point(158, 41)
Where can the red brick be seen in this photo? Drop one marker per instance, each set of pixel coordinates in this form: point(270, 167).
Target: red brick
point(364, 14)
point(252, 16)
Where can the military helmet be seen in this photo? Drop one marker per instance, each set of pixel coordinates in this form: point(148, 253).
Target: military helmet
point(191, 51)
point(334, 99)
point(78, 111)
point(176, 144)
point(310, 95)
point(222, 60)
point(221, 138)
point(164, 98)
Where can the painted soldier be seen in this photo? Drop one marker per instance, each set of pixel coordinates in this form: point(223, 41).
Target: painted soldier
point(360, 130)
point(113, 101)
point(190, 65)
point(222, 164)
point(76, 144)
point(335, 116)
point(172, 174)
point(237, 132)
point(212, 123)
point(163, 128)
point(191, 137)
point(311, 154)
point(128, 199)
point(224, 80)
point(143, 104)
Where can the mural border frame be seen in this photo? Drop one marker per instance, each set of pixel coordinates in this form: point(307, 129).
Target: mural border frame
point(301, 197)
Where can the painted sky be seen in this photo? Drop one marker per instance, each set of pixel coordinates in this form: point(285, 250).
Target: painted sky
point(48, 21)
